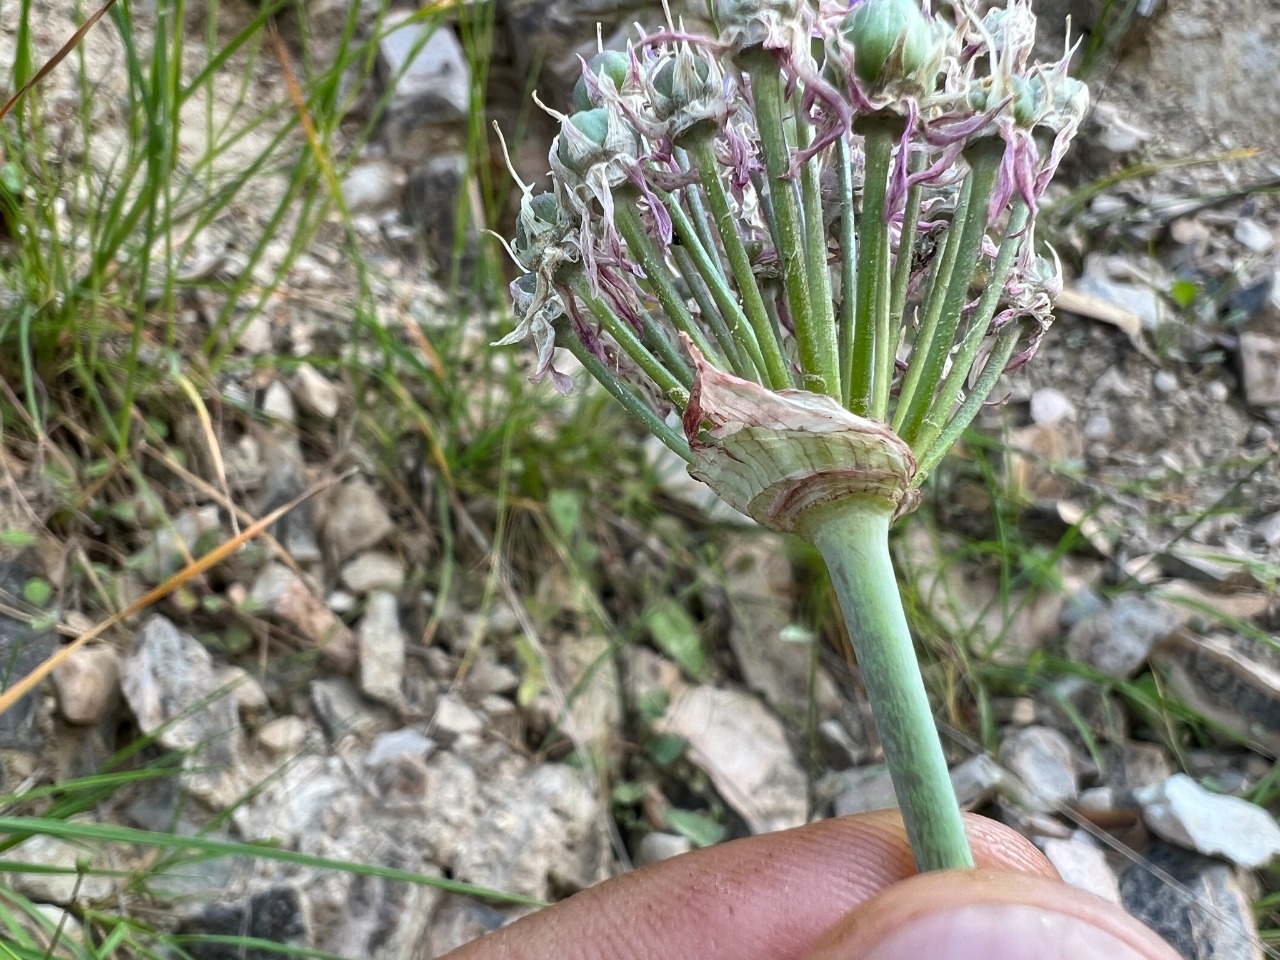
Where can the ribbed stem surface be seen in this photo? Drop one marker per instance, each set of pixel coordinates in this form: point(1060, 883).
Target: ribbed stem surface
point(853, 538)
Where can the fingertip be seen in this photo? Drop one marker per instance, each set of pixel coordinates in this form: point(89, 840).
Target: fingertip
point(979, 914)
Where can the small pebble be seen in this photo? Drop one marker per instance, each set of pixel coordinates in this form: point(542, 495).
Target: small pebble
point(1098, 427)
point(1106, 204)
point(1188, 230)
point(1165, 382)
point(661, 846)
point(1270, 530)
point(340, 602)
point(1023, 713)
point(1096, 801)
point(489, 677)
point(382, 648)
point(283, 735)
point(391, 746)
point(497, 706)
point(255, 338)
point(1049, 406)
point(287, 596)
point(1043, 767)
point(1253, 235)
point(315, 393)
point(372, 571)
point(248, 694)
point(1083, 865)
point(87, 683)
point(453, 717)
point(278, 404)
point(1183, 812)
point(371, 186)
point(358, 520)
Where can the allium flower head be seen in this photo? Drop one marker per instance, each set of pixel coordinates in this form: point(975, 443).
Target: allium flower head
point(803, 202)
point(764, 245)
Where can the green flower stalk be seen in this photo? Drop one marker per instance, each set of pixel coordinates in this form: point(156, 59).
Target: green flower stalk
point(802, 252)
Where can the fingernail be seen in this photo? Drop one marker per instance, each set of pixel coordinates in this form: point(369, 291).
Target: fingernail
point(982, 932)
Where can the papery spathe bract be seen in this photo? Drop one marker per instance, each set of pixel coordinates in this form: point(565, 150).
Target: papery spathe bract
point(773, 455)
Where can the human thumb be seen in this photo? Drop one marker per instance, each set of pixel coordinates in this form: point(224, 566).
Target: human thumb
point(987, 914)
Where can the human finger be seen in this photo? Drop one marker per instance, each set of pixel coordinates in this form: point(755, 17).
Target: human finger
point(768, 897)
point(976, 915)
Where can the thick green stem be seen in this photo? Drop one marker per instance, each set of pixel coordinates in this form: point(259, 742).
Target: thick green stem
point(853, 537)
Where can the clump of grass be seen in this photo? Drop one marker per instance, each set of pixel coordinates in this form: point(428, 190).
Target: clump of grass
point(105, 371)
point(116, 225)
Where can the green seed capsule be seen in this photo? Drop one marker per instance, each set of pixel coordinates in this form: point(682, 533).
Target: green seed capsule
point(977, 95)
point(541, 223)
point(875, 28)
point(675, 77)
point(679, 82)
point(545, 207)
point(593, 137)
point(522, 289)
point(610, 65)
point(1028, 96)
point(582, 139)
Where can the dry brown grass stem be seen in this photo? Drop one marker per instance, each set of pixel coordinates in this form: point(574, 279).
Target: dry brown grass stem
point(194, 569)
